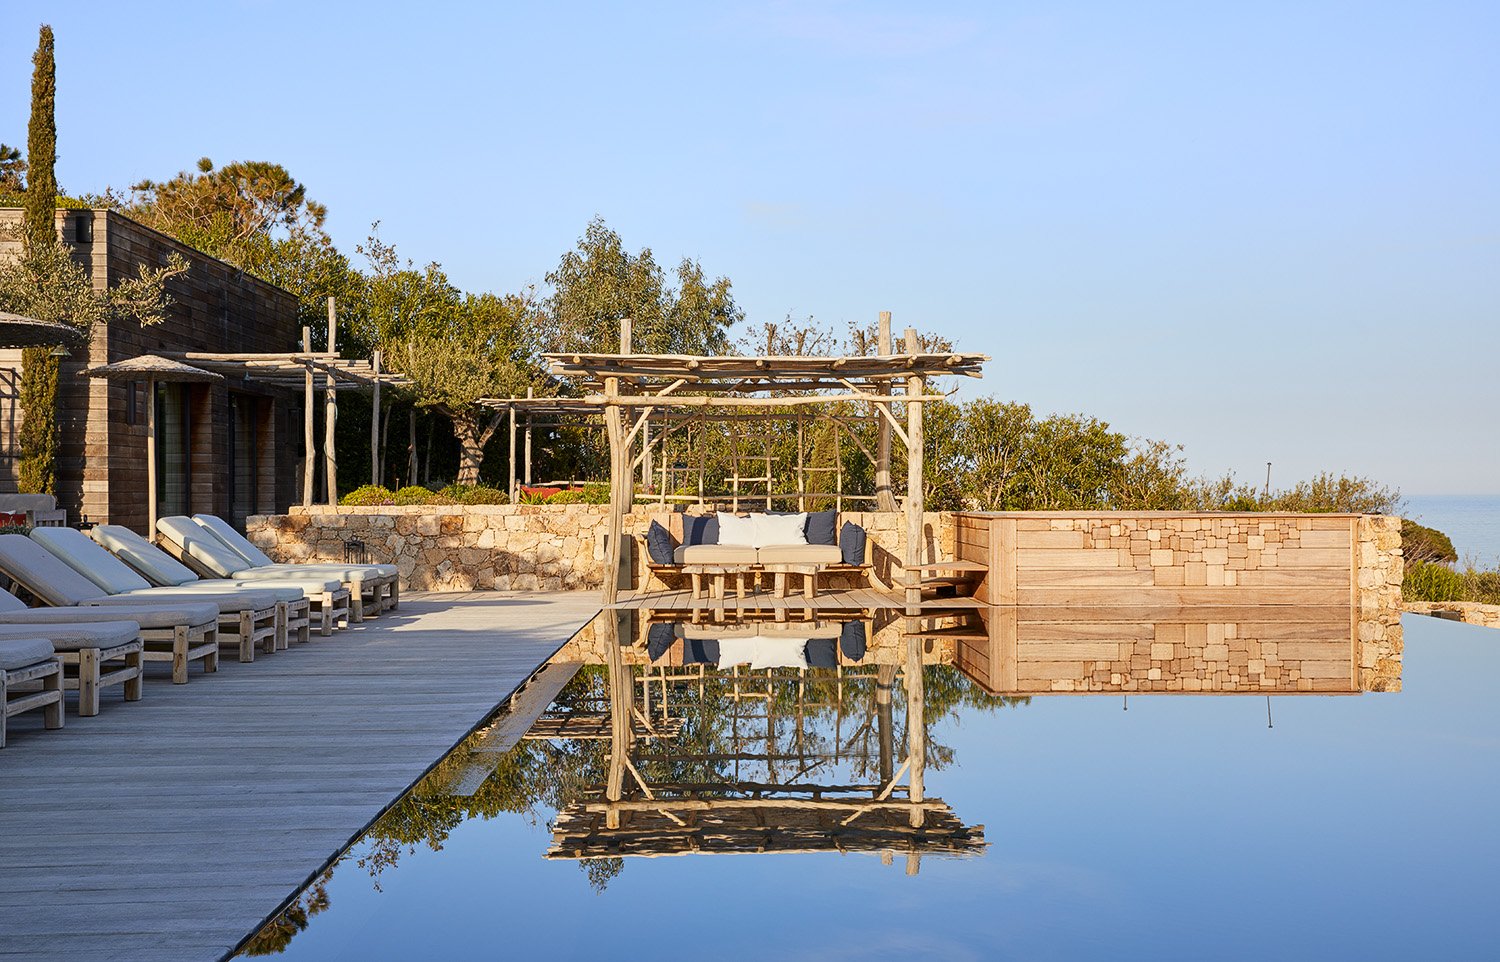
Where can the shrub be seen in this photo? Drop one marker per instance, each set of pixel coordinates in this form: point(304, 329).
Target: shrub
point(596, 494)
point(1425, 581)
point(1419, 543)
point(15, 529)
point(568, 497)
point(416, 494)
point(367, 495)
point(1482, 586)
point(479, 494)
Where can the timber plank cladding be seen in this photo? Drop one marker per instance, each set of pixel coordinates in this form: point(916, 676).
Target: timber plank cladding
point(1208, 650)
point(1162, 558)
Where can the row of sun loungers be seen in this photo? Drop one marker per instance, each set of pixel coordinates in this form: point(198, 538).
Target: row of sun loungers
point(116, 600)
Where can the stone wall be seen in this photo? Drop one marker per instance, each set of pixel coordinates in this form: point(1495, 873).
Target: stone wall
point(547, 547)
point(1468, 612)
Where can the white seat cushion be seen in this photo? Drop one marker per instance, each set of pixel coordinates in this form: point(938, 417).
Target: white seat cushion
point(715, 554)
point(801, 554)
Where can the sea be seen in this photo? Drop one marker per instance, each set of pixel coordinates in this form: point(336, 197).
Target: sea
point(1471, 520)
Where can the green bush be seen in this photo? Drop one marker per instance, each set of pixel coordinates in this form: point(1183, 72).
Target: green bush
point(568, 497)
point(1483, 586)
point(1420, 543)
point(368, 495)
point(1425, 581)
point(15, 529)
point(596, 494)
point(416, 494)
point(480, 494)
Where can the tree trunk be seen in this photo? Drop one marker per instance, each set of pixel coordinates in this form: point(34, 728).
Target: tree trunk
point(411, 445)
point(472, 436)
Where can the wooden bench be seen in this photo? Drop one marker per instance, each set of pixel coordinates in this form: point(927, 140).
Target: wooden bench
point(717, 573)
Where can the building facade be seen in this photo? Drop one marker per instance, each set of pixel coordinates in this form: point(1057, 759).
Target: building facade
point(223, 448)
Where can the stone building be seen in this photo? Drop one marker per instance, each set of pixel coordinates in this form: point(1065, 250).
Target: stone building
point(226, 448)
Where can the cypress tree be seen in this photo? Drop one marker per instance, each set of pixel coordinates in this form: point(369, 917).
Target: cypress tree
point(38, 390)
point(41, 146)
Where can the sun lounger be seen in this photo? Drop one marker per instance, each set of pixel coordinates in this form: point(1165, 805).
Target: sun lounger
point(380, 581)
point(247, 618)
point(177, 633)
point(95, 655)
point(25, 662)
point(328, 598)
point(198, 550)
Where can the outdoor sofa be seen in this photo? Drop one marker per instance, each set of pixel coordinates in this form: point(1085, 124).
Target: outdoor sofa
point(381, 582)
point(247, 618)
point(716, 546)
point(31, 677)
point(210, 561)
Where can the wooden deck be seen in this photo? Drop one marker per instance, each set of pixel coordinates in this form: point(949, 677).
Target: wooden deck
point(170, 828)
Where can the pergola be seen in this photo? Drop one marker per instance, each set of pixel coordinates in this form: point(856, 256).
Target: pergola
point(629, 388)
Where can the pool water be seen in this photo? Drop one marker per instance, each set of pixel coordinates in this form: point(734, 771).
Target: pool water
point(1171, 826)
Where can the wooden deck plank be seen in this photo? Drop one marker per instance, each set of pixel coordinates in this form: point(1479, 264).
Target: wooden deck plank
point(204, 779)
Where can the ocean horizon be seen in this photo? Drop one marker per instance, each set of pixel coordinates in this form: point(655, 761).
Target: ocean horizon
point(1471, 520)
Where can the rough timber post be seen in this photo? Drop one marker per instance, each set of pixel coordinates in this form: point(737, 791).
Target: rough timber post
point(914, 388)
point(150, 460)
point(885, 498)
point(375, 472)
point(309, 442)
point(527, 474)
point(511, 488)
point(621, 478)
point(331, 413)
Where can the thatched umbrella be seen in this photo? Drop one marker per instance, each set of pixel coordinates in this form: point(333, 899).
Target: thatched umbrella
point(150, 368)
point(18, 331)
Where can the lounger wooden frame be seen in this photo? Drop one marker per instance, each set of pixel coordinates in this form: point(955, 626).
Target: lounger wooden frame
point(49, 672)
point(182, 645)
point(330, 607)
point(88, 671)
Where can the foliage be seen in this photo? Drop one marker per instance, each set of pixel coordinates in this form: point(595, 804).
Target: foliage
point(570, 496)
point(1326, 492)
point(1424, 581)
point(474, 494)
point(41, 146)
point(15, 529)
point(600, 282)
point(1482, 586)
point(12, 174)
point(369, 495)
point(1420, 543)
point(416, 494)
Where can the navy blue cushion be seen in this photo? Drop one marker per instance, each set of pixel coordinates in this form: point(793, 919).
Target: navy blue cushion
point(820, 527)
point(700, 529)
point(821, 653)
point(852, 640)
point(700, 651)
point(659, 639)
point(659, 543)
point(852, 543)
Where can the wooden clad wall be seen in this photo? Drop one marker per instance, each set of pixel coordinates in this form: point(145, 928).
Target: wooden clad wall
point(1035, 651)
point(1161, 558)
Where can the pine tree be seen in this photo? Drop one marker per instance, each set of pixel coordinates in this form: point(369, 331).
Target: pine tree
point(37, 470)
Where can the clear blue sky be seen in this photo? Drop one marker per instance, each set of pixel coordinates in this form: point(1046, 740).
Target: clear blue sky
point(1268, 232)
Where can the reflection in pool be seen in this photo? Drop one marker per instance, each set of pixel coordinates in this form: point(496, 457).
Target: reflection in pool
point(925, 812)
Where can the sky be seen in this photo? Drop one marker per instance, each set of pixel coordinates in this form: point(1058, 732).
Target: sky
point(1266, 232)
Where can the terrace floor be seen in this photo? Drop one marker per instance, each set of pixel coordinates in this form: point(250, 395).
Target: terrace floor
point(170, 828)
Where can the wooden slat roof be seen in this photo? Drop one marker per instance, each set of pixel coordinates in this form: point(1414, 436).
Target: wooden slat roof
point(771, 370)
point(19, 331)
point(289, 370)
point(151, 367)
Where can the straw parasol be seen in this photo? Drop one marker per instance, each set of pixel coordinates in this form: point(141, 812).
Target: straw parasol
point(19, 331)
point(150, 368)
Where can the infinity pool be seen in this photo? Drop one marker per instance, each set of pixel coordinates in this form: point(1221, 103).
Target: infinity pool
point(744, 815)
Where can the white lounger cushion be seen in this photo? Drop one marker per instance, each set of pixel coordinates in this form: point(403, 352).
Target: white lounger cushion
point(192, 615)
point(56, 583)
point(84, 634)
point(23, 652)
point(116, 577)
point(197, 543)
point(258, 559)
point(159, 567)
